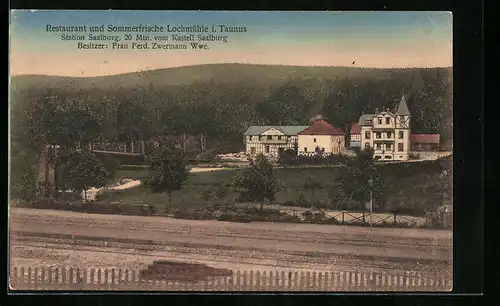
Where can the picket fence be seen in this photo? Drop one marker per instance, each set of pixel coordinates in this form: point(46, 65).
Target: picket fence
point(74, 279)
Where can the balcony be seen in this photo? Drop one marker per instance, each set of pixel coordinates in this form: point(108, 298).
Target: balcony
point(273, 141)
point(383, 140)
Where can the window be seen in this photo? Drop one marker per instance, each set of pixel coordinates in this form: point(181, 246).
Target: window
point(279, 137)
point(267, 148)
point(367, 145)
point(379, 146)
point(401, 134)
point(380, 121)
point(367, 134)
point(269, 137)
point(323, 150)
point(252, 150)
point(379, 135)
point(305, 149)
point(400, 147)
point(314, 139)
point(389, 135)
point(387, 120)
point(388, 146)
point(388, 157)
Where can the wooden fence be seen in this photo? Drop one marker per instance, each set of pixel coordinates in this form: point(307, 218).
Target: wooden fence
point(42, 278)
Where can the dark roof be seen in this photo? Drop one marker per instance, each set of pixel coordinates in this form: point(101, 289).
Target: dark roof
point(321, 127)
point(287, 130)
point(355, 128)
point(403, 108)
point(363, 120)
point(425, 138)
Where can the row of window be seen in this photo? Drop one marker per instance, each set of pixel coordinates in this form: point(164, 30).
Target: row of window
point(388, 146)
point(378, 135)
point(269, 137)
point(387, 120)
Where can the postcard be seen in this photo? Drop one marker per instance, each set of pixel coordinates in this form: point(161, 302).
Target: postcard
point(230, 151)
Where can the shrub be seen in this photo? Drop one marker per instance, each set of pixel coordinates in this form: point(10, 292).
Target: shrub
point(308, 215)
point(235, 218)
point(414, 155)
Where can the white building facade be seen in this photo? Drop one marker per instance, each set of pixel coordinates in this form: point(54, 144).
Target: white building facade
point(271, 140)
point(321, 138)
point(387, 133)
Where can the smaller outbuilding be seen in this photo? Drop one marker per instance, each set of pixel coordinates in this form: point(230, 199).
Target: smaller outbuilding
point(425, 142)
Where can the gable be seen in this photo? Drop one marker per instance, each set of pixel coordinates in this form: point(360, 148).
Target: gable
point(272, 131)
point(322, 127)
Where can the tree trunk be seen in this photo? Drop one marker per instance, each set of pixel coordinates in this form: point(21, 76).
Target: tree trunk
point(169, 201)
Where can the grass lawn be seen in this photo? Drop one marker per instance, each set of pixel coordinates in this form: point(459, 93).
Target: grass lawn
point(409, 189)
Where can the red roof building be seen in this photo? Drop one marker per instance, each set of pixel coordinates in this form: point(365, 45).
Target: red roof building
point(321, 127)
point(321, 138)
point(355, 128)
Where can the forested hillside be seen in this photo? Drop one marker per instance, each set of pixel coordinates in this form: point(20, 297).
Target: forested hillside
point(220, 101)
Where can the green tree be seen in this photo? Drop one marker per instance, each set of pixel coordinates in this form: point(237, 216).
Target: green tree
point(353, 180)
point(169, 170)
point(257, 183)
point(23, 173)
point(81, 171)
point(338, 197)
point(312, 184)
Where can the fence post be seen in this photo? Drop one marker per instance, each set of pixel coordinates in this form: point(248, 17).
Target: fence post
point(92, 276)
point(113, 276)
point(42, 276)
point(21, 272)
point(29, 275)
point(99, 276)
point(238, 279)
point(252, 287)
point(36, 275)
point(363, 217)
point(245, 281)
point(342, 217)
point(395, 219)
point(120, 276)
point(85, 279)
point(127, 276)
point(79, 278)
point(258, 280)
point(70, 277)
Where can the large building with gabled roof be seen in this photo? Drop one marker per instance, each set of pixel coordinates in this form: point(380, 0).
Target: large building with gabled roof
point(387, 133)
point(271, 140)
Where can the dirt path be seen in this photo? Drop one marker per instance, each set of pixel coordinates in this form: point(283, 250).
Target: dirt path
point(92, 192)
point(109, 240)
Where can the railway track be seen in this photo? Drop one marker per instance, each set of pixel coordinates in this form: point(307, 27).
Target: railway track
point(284, 260)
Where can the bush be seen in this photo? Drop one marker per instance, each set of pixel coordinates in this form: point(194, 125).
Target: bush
point(110, 163)
point(413, 155)
point(235, 218)
point(308, 215)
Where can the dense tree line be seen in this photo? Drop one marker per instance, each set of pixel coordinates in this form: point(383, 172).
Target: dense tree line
point(220, 111)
